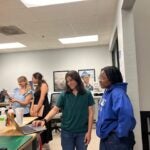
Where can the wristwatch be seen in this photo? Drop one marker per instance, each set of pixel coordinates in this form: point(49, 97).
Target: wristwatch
point(45, 121)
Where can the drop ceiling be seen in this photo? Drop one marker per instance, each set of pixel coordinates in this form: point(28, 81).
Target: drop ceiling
point(43, 26)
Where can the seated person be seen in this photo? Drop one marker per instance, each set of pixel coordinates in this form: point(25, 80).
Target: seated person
point(22, 96)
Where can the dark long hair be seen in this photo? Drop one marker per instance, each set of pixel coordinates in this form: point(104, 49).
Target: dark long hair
point(39, 77)
point(75, 76)
point(113, 74)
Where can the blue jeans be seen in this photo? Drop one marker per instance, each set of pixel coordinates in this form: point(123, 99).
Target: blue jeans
point(70, 141)
point(112, 142)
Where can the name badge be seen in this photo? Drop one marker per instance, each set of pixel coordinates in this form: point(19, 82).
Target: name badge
point(102, 103)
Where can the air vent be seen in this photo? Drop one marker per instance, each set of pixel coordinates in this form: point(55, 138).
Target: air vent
point(11, 30)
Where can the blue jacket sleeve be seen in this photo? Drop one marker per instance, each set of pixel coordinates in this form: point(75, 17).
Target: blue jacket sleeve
point(122, 108)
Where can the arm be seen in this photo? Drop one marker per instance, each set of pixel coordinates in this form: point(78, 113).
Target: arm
point(90, 123)
point(31, 109)
point(23, 103)
point(124, 111)
point(51, 113)
point(48, 117)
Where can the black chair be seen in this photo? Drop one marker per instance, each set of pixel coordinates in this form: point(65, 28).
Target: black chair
point(2, 96)
point(56, 121)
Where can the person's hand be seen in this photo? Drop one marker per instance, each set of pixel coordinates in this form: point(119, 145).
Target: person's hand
point(35, 113)
point(87, 138)
point(38, 123)
point(12, 100)
point(32, 114)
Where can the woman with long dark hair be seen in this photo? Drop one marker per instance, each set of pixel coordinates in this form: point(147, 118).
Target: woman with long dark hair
point(40, 100)
point(76, 105)
point(115, 118)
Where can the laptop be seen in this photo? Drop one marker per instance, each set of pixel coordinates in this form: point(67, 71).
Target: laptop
point(27, 129)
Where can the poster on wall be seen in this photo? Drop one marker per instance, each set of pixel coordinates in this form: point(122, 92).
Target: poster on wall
point(88, 78)
point(59, 80)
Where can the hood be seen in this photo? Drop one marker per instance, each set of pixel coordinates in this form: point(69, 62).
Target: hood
point(119, 85)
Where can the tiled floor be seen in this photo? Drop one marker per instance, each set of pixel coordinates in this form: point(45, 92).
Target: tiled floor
point(55, 143)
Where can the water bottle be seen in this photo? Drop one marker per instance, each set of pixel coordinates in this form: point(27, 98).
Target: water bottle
point(11, 114)
point(3, 118)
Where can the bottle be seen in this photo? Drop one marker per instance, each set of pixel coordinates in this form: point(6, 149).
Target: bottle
point(11, 113)
point(3, 118)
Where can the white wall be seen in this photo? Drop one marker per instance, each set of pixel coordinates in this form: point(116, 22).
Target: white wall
point(142, 39)
point(13, 65)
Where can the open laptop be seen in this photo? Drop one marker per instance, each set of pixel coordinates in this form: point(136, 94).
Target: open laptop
point(27, 129)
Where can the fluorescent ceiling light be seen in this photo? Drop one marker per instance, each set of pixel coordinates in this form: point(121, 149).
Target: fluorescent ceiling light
point(80, 39)
point(38, 3)
point(11, 45)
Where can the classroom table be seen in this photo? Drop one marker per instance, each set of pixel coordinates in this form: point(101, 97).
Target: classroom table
point(27, 142)
point(4, 104)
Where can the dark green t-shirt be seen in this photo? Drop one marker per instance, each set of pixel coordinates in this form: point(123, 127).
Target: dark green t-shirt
point(75, 111)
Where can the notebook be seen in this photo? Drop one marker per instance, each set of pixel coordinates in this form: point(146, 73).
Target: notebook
point(27, 129)
point(13, 142)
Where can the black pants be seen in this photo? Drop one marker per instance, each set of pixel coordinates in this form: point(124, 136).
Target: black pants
point(112, 142)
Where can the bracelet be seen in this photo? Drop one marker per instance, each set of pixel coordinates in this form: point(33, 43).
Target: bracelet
point(45, 121)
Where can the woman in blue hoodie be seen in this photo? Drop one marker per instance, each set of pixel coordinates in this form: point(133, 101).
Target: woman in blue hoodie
point(115, 118)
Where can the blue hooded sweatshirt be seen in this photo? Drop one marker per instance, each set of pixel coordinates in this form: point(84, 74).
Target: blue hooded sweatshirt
point(115, 112)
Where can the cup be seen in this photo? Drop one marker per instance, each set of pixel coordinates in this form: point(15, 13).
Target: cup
point(2, 118)
point(19, 115)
